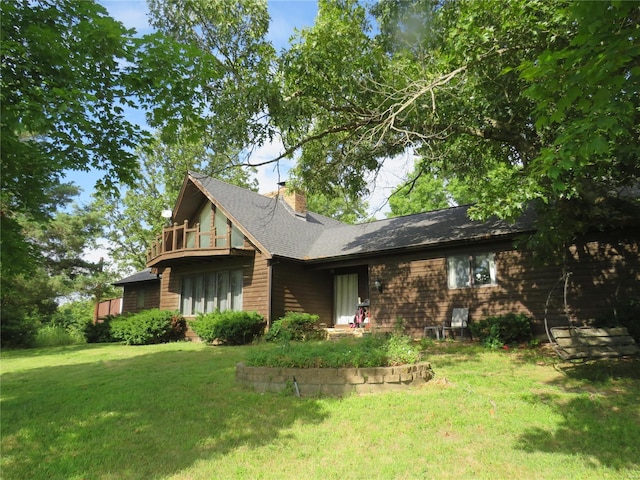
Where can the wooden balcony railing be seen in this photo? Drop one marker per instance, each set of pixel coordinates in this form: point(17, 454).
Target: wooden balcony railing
point(180, 239)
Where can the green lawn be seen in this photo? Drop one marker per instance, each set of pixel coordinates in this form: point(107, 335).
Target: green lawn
point(174, 411)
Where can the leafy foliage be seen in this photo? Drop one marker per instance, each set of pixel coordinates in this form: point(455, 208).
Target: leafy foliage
point(295, 326)
point(494, 332)
point(74, 317)
point(149, 327)
point(62, 96)
point(57, 336)
point(339, 206)
point(228, 327)
point(369, 351)
point(495, 100)
point(56, 267)
point(100, 332)
point(230, 78)
point(71, 76)
point(18, 331)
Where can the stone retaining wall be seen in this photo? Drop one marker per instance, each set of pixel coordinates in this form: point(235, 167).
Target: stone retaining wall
point(334, 381)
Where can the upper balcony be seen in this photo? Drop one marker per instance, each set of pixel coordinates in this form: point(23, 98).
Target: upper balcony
point(178, 241)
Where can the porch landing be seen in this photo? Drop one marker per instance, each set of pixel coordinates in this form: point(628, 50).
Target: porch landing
point(337, 333)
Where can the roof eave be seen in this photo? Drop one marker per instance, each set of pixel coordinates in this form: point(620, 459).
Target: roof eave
point(483, 239)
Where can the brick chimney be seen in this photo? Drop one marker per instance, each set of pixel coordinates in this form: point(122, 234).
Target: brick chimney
point(295, 200)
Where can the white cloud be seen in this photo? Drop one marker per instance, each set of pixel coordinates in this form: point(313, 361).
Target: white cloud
point(393, 172)
point(271, 174)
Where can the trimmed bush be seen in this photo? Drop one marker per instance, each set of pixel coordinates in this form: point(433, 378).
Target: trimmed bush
point(497, 331)
point(228, 327)
point(296, 326)
point(149, 327)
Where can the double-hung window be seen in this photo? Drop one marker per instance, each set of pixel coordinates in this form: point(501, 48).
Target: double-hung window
point(471, 270)
point(210, 292)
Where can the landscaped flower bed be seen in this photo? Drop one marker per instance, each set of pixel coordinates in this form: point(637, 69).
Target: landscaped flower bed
point(368, 365)
point(370, 351)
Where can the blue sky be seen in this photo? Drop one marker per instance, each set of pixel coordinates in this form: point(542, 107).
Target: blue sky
point(286, 15)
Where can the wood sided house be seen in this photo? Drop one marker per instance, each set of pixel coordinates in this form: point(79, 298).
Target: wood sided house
point(141, 291)
point(231, 248)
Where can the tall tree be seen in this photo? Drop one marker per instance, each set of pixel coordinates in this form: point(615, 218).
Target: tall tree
point(243, 92)
point(70, 75)
point(475, 91)
point(60, 268)
point(236, 88)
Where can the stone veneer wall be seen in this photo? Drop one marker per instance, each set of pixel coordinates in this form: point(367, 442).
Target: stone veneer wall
point(334, 381)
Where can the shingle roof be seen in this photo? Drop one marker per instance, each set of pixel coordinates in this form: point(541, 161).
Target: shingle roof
point(427, 229)
point(142, 276)
point(269, 220)
point(273, 224)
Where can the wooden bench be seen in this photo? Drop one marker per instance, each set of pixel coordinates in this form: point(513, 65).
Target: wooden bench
point(590, 342)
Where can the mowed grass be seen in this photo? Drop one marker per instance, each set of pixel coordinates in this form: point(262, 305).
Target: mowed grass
point(175, 412)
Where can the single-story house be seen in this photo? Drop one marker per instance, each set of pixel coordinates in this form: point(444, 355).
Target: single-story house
point(231, 248)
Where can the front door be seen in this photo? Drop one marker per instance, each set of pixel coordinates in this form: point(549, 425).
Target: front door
point(345, 294)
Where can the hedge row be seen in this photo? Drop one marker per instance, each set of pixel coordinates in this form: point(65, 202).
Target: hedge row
point(228, 327)
point(148, 327)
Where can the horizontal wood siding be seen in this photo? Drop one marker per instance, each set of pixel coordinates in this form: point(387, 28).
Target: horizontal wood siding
point(151, 292)
point(255, 287)
point(254, 281)
point(169, 290)
point(298, 289)
point(604, 273)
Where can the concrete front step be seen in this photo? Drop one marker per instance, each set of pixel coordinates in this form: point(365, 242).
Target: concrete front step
point(335, 333)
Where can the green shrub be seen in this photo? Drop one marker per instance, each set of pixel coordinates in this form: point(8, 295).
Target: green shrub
point(100, 332)
point(57, 336)
point(371, 351)
point(74, 317)
point(401, 349)
point(496, 331)
point(16, 331)
point(204, 326)
point(148, 327)
point(229, 327)
point(296, 326)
